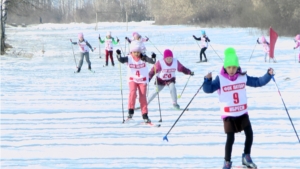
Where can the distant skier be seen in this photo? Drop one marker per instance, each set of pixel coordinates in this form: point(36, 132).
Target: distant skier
point(166, 69)
point(231, 85)
point(297, 40)
point(137, 37)
point(109, 41)
point(138, 78)
point(204, 45)
point(266, 47)
point(84, 48)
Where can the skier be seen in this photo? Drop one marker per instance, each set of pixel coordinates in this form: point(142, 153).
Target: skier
point(166, 69)
point(204, 44)
point(266, 46)
point(297, 40)
point(137, 37)
point(231, 83)
point(109, 41)
point(137, 78)
point(84, 47)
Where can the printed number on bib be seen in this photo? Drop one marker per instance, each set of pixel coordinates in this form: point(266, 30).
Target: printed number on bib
point(167, 75)
point(137, 73)
point(236, 99)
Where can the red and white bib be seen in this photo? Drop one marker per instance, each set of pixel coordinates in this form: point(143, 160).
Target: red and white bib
point(167, 72)
point(232, 96)
point(108, 44)
point(137, 71)
point(83, 46)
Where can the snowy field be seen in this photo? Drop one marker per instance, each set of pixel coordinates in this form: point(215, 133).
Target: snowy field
point(52, 118)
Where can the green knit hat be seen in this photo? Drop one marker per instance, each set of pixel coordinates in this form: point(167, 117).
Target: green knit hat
point(231, 58)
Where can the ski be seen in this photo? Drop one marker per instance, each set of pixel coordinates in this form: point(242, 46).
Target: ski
point(239, 167)
point(150, 124)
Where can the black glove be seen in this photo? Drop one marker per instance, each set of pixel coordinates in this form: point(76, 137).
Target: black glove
point(126, 38)
point(92, 50)
point(143, 57)
point(192, 74)
point(118, 40)
point(153, 55)
point(257, 40)
point(118, 52)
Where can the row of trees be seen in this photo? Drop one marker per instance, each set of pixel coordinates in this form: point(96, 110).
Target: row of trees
point(283, 16)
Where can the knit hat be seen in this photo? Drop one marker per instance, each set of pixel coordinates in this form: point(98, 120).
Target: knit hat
point(80, 35)
point(203, 32)
point(297, 37)
point(108, 33)
point(135, 46)
point(231, 58)
point(263, 39)
point(134, 33)
point(168, 53)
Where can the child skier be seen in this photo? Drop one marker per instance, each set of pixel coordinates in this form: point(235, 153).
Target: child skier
point(109, 41)
point(297, 40)
point(204, 44)
point(84, 47)
point(137, 73)
point(231, 83)
point(166, 69)
point(266, 46)
point(137, 37)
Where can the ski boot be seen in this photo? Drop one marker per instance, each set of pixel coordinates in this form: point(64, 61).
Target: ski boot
point(247, 161)
point(176, 106)
point(90, 68)
point(78, 70)
point(130, 114)
point(146, 118)
point(205, 60)
point(227, 165)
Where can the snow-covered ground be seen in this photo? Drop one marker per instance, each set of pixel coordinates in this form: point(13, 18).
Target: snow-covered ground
point(53, 118)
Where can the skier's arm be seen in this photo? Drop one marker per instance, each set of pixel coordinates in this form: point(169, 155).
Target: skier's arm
point(297, 45)
point(258, 81)
point(151, 60)
point(181, 68)
point(101, 41)
point(121, 59)
point(129, 41)
point(197, 38)
point(74, 43)
point(152, 72)
point(115, 42)
point(210, 86)
point(88, 44)
point(207, 39)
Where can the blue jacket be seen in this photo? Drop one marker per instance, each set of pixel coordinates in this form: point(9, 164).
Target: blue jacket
point(211, 86)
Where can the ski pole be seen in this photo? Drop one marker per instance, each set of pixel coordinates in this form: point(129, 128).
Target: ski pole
point(179, 96)
point(99, 48)
point(73, 53)
point(154, 45)
point(165, 137)
point(215, 52)
point(252, 51)
point(121, 85)
point(295, 56)
point(157, 90)
point(286, 108)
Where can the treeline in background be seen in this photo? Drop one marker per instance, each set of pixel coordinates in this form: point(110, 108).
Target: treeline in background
point(282, 15)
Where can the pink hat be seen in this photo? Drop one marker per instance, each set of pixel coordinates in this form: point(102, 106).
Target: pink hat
point(135, 46)
point(297, 37)
point(263, 39)
point(80, 35)
point(168, 53)
point(134, 33)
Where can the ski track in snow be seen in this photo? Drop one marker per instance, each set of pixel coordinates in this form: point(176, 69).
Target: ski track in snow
point(53, 118)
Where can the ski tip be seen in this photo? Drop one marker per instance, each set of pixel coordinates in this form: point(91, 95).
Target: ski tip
point(165, 138)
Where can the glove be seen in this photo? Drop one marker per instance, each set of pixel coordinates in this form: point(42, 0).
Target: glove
point(99, 38)
point(194, 36)
point(126, 38)
point(147, 39)
point(118, 40)
point(294, 48)
point(257, 40)
point(118, 52)
point(192, 74)
point(143, 57)
point(153, 55)
point(92, 50)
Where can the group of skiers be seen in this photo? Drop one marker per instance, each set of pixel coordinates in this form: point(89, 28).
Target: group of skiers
point(231, 84)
